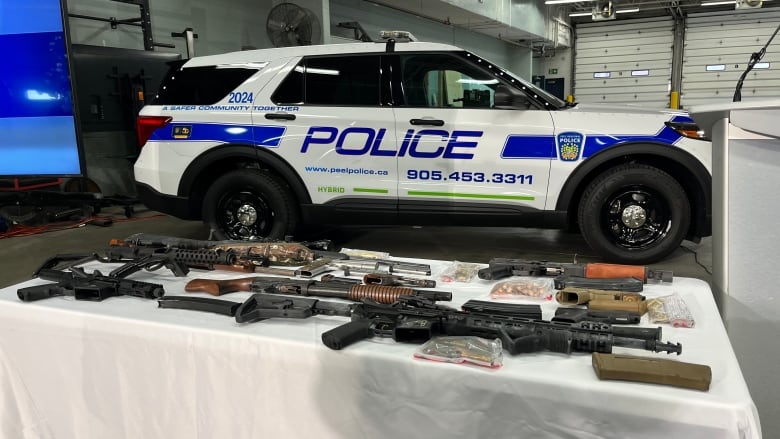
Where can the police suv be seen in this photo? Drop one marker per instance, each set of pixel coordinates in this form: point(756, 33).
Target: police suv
point(257, 143)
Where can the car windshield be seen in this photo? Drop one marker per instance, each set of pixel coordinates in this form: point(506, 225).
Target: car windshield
point(551, 99)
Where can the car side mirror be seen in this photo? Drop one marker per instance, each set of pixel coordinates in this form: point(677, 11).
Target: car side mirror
point(508, 98)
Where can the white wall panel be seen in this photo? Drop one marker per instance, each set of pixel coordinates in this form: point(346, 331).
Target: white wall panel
point(729, 38)
point(619, 48)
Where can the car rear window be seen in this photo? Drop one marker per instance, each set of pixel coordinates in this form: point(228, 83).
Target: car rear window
point(200, 85)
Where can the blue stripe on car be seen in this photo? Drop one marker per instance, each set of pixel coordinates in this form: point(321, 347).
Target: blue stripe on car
point(529, 147)
point(260, 135)
point(594, 144)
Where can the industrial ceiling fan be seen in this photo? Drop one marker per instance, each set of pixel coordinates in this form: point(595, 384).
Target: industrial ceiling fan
point(291, 25)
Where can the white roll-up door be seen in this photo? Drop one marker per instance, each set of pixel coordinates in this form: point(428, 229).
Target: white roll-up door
point(716, 52)
point(624, 62)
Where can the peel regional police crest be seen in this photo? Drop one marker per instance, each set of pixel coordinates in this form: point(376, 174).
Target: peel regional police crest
point(569, 146)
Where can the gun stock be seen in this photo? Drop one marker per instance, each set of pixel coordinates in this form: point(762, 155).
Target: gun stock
point(580, 296)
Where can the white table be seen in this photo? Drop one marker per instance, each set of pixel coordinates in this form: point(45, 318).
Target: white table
point(124, 368)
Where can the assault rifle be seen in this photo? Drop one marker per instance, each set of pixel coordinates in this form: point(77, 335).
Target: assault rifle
point(152, 252)
point(501, 267)
point(84, 286)
point(148, 251)
point(415, 320)
point(309, 287)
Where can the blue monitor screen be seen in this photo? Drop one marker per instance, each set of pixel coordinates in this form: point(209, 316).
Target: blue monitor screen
point(37, 122)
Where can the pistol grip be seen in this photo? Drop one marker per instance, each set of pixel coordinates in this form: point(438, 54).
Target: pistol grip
point(344, 335)
point(493, 273)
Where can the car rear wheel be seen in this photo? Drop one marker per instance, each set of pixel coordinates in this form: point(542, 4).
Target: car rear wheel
point(634, 214)
point(247, 204)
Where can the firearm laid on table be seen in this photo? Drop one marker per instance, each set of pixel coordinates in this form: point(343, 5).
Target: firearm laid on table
point(152, 252)
point(85, 286)
point(501, 267)
point(309, 287)
point(415, 320)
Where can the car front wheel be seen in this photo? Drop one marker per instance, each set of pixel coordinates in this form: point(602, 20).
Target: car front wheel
point(247, 204)
point(634, 214)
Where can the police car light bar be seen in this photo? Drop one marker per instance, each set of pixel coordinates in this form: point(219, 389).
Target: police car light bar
point(397, 35)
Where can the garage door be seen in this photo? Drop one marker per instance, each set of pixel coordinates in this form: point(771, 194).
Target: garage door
point(717, 49)
point(624, 62)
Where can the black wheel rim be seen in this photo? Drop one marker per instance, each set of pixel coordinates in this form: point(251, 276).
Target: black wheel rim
point(636, 218)
point(244, 216)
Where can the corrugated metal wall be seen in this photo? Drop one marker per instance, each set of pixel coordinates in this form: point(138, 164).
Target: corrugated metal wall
point(637, 56)
point(724, 42)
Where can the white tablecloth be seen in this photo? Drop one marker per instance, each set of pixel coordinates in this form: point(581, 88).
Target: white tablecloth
point(123, 368)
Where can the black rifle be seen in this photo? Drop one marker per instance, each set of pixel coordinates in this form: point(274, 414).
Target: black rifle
point(84, 286)
point(416, 320)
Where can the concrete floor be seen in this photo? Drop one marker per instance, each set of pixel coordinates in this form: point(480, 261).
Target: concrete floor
point(22, 255)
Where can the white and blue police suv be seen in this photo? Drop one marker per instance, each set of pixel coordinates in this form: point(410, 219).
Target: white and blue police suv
point(257, 143)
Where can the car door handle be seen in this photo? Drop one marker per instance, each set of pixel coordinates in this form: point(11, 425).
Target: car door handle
point(431, 122)
point(280, 116)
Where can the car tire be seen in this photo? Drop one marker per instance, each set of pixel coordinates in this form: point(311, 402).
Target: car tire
point(248, 204)
point(634, 214)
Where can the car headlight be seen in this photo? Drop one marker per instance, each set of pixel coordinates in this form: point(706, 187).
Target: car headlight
point(689, 130)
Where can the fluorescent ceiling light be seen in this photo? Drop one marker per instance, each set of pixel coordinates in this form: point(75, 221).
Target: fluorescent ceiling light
point(719, 3)
point(580, 14)
point(626, 11)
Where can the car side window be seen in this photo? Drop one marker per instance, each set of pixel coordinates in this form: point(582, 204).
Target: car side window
point(343, 80)
point(439, 81)
point(332, 80)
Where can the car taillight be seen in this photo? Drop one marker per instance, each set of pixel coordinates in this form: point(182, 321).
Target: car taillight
point(146, 125)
